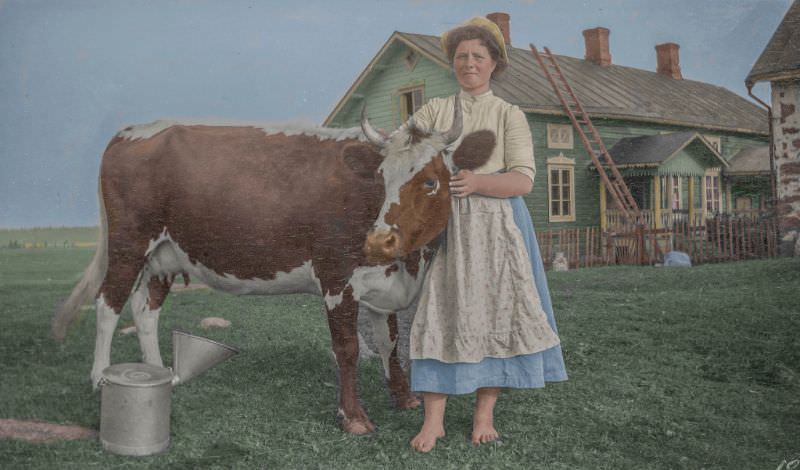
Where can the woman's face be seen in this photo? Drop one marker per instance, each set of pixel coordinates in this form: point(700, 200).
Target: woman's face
point(473, 66)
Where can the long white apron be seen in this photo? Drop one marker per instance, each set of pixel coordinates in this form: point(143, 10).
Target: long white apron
point(479, 298)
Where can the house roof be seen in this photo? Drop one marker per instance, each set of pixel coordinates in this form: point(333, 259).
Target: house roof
point(781, 58)
point(654, 150)
point(614, 92)
point(750, 161)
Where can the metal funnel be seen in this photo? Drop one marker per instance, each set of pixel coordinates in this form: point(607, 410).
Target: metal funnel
point(192, 355)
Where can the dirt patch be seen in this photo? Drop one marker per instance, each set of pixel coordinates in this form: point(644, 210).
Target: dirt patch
point(178, 287)
point(42, 431)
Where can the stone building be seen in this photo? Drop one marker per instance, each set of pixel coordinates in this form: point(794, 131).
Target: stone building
point(779, 64)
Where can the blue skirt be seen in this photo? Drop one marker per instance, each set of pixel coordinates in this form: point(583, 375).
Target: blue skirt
point(523, 371)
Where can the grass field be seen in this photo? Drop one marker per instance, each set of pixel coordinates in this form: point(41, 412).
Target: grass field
point(669, 368)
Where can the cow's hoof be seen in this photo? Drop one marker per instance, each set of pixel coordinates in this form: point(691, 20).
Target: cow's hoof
point(358, 427)
point(408, 403)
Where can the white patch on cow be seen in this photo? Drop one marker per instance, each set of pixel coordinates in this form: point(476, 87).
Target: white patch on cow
point(154, 243)
point(382, 337)
point(145, 131)
point(386, 294)
point(106, 324)
point(146, 321)
point(402, 162)
point(166, 258)
point(332, 301)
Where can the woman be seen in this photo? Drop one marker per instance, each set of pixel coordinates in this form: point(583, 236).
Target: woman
point(484, 321)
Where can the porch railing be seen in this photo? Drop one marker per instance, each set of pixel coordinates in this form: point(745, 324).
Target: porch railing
point(615, 221)
point(724, 237)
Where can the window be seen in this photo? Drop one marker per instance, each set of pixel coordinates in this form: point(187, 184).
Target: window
point(671, 192)
point(410, 102)
point(561, 181)
point(713, 196)
point(714, 141)
point(411, 59)
point(676, 192)
point(559, 136)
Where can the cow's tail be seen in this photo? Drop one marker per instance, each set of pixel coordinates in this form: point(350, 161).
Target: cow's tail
point(68, 311)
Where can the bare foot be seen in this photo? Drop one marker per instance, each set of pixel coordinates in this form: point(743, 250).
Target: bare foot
point(425, 441)
point(483, 431)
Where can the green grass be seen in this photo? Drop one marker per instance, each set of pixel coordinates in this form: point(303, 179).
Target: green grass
point(669, 368)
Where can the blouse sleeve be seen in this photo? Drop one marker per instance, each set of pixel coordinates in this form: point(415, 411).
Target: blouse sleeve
point(519, 144)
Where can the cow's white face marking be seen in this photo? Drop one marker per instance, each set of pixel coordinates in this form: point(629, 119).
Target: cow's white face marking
point(402, 161)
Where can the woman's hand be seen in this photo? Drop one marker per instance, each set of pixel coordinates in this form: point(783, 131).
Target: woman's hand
point(507, 184)
point(464, 183)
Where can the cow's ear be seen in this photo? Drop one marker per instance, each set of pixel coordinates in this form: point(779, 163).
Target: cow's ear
point(362, 158)
point(474, 150)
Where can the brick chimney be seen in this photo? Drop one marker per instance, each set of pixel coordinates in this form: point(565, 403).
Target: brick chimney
point(596, 40)
point(667, 57)
point(504, 22)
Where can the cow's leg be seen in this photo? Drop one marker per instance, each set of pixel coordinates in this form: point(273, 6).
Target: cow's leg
point(384, 330)
point(343, 323)
point(124, 264)
point(107, 320)
point(146, 305)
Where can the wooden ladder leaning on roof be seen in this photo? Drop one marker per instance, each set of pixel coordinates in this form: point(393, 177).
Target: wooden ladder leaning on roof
point(594, 145)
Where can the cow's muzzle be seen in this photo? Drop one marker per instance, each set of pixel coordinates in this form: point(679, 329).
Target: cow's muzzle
point(382, 246)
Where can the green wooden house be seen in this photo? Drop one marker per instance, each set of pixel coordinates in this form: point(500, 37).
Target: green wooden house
point(673, 139)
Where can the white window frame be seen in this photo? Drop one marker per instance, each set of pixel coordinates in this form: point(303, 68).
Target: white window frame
point(560, 136)
point(716, 205)
point(561, 163)
point(664, 188)
point(675, 204)
point(403, 111)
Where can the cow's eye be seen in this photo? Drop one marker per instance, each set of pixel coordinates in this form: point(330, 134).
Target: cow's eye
point(433, 185)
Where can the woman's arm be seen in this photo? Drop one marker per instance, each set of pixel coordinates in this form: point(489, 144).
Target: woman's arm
point(512, 183)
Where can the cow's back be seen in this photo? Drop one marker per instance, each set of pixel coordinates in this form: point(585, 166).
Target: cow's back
point(239, 200)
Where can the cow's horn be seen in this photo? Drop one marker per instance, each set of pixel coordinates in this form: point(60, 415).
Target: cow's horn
point(455, 130)
point(372, 135)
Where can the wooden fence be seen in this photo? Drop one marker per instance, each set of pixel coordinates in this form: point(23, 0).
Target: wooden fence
point(722, 238)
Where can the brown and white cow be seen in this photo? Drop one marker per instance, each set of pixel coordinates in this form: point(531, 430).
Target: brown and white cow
point(247, 209)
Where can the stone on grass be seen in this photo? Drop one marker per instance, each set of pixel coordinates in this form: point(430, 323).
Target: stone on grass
point(677, 258)
point(128, 330)
point(40, 431)
point(214, 322)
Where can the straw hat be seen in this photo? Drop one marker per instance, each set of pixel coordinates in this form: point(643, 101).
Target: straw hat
point(486, 24)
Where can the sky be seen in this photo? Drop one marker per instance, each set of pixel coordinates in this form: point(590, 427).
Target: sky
point(74, 72)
